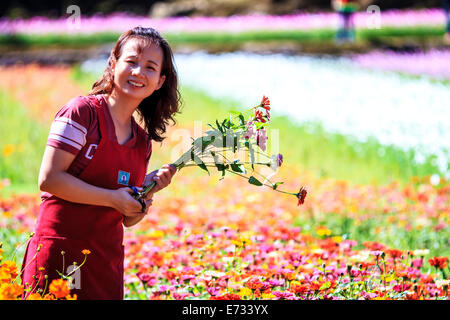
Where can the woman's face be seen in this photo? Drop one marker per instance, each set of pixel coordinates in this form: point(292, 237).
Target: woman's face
point(138, 74)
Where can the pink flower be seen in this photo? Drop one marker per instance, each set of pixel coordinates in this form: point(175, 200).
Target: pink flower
point(261, 138)
point(250, 130)
point(417, 263)
point(179, 295)
point(282, 294)
point(214, 291)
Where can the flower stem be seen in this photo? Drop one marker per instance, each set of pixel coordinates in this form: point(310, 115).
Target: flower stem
point(73, 271)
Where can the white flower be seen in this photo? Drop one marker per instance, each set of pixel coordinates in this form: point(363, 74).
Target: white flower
point(441, 283)
point(421, 252)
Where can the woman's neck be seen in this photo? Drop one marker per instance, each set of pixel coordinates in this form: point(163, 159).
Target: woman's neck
point(121, 108)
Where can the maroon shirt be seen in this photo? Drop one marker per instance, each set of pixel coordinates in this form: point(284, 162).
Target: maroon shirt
point(75, 129)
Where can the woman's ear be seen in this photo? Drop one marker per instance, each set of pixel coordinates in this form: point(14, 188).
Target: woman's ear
point(161, 81)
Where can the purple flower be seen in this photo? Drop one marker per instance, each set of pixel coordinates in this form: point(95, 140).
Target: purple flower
point(276, 161)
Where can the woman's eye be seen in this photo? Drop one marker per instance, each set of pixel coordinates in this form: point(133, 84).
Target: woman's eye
point(131, 62)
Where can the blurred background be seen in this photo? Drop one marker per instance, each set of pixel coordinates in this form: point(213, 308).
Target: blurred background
point(361, 88)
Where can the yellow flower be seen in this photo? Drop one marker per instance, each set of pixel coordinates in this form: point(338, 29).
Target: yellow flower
point(337, 239)
point(155, 234)
point(323, 231)
point(7, 214)
point(387, 278)
point(245, 292)
point(71, 297)
point(267, 296)
point(8, 150)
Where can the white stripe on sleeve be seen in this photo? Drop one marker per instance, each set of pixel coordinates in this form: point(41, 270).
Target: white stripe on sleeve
point(68, 131)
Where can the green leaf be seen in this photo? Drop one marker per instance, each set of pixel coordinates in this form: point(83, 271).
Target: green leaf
point(236, 167)
point(204, 141)
point(219, 127)
point(275, 186)
point(254, 181)
point(200, 163)
point(221, 167)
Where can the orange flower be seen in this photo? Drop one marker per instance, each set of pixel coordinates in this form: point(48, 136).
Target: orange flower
point(86, 252)
point(10, 291)
point(71, 297)
point(59, 288)
point(34, 296)
point(9, 268)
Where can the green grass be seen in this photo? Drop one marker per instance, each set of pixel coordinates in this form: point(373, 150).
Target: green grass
point(27, 139)
point(314, 35)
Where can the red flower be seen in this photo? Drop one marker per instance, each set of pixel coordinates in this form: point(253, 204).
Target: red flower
point(394, 253)
point(265, 103)
point(254, 283)
point(301, 195)
point(259, 116)
point(299, 289)
point(373, 245)
point(227, 296)
point(438, 262)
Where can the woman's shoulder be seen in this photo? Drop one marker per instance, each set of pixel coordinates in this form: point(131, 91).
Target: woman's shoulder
point(80, 109)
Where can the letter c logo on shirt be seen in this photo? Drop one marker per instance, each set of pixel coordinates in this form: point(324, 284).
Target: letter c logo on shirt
point(91, 150)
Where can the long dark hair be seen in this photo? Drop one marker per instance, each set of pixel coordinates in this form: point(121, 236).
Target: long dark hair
point(159, 108)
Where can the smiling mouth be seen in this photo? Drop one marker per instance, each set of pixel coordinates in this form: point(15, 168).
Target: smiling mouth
point(136, 84)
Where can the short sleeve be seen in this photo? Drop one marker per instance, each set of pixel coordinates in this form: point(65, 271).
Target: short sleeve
point(71, 125)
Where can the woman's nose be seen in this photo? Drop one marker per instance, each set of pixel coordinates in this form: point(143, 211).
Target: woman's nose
point(136, 70)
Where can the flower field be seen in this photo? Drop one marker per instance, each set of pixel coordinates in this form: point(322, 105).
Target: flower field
point(304, 26)
point(246, 244)
point(302, 21)
point(206, 238)
point(434, 63)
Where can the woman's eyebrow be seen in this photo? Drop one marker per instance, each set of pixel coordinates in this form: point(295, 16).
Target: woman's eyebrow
point(133, 55)
point(151, 61)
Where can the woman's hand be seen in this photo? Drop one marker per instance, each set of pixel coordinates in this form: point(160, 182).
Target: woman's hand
point(129, 221)
point(123, 202)
point(162, 177)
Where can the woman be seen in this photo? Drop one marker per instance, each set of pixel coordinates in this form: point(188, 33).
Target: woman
point(95, 152)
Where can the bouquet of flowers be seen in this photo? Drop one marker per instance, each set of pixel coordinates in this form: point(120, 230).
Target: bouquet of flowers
point(237, 146)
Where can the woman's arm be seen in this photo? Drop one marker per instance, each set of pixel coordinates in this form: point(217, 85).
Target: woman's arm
point(53, 178)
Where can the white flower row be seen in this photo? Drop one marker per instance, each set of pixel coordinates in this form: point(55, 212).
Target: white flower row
point(407, 113)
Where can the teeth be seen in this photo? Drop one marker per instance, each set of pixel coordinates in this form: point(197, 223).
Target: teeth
point(136, 84)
